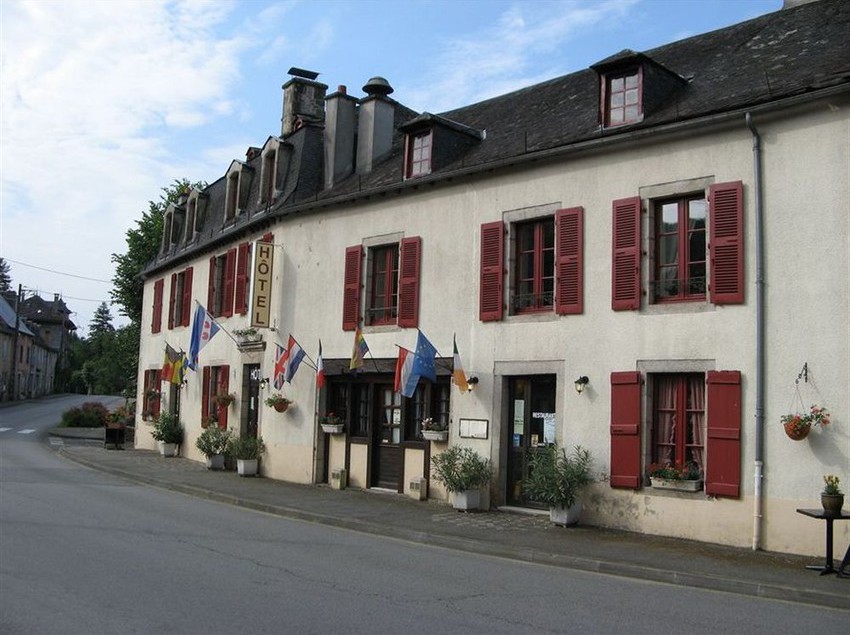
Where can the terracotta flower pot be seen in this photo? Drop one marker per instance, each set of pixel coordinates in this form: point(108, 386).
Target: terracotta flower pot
point(281, 406)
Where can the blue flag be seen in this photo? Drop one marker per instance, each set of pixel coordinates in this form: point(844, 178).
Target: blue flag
point(203, 330)
point(423, 362)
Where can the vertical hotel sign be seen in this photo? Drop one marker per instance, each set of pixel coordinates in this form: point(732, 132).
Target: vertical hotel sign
point(261, 298)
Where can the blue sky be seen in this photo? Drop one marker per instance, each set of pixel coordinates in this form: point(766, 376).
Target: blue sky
point(106, 102)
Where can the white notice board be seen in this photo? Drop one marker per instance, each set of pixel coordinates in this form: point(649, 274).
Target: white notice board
point(474, 428)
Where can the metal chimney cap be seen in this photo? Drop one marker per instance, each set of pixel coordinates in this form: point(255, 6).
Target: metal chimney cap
point(377, 86)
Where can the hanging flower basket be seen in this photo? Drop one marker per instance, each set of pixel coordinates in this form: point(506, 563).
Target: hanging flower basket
point(281, 406)
point(278, 402)
point(797, 426)
point(797, 431)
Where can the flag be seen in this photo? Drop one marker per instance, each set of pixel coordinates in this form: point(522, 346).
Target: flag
point(359, 351)
point(280, 355)
point(457, 370)
point(294, 355)
point(171, 358)
point(405, 378)
point(423, 363)
point(203, 330)
point(320, 369)
point(179, 369)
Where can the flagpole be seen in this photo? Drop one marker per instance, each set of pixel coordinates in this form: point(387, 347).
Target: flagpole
point(217, 323)
point(310, 365)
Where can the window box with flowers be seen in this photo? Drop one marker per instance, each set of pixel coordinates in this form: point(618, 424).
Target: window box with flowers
point(797, 426)
point(249, 340)
point(331, 423)
point(278, 402)
point(435, 430)
point(682, 478)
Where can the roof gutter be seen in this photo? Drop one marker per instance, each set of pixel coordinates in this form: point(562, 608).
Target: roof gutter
point(758, 473)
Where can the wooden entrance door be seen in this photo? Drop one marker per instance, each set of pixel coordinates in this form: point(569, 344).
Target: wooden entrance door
point(387, 433)
point(251, 377)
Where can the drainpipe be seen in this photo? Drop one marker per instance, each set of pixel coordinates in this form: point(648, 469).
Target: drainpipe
point(759, 411)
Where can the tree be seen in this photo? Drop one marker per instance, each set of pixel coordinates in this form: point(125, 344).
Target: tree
point(5, 276)
point(101, 321)
point(143, 243)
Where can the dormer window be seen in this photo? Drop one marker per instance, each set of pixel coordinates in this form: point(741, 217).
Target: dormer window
point(418, 152)
point(191, 207)
point(269, 189)
point(166, 229)
point(239, 176)
point(232, 201)
point(622, 98)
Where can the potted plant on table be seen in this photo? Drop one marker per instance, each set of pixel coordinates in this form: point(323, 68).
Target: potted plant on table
point(247, 451)
point(435, 430)
point(168, 431)
point(331, 423)
point(831, 498)
point(213, 442)
point(278, 402)
point(463, 472)
point(557, 480)
point(684, 478)
point(797, 426)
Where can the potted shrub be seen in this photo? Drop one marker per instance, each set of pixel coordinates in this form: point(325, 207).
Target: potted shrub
point(213, 442)
point(247, 451)
point(169, 432)
point(797, 426)
point(331, 423)
point(434, 430)
point(685, 478)
point(832, 498)
point(557, 480)
point(463, 472)
point(278, 402)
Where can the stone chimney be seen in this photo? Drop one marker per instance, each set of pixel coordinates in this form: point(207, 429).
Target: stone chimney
point(340, 124)
point(375, 127)
point(303, 101)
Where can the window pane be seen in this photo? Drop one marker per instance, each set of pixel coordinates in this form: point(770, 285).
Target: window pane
point(526, 265)
point(696, 213)
point(668, 252)
point(548, 234)
point(616, 115)
point(632, 81)
point(631, 97)
point(696, 246)
point(631, 113)
point(670, 217)
point(617, 84)
point(617, 100)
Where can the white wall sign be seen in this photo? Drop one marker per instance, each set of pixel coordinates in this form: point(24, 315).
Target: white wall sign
point(474, 428)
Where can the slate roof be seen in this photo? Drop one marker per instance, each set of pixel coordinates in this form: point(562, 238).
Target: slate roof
point(7, 319)
point(788, 53)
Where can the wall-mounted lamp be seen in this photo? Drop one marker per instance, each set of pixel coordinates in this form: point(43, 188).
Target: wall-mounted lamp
point(581, 382)
point(471, 383)
point(264, 383)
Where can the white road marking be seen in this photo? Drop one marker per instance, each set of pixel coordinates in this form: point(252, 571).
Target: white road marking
point(26, 431)
point(5, 429)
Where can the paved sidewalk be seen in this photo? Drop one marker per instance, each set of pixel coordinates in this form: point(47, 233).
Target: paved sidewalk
point(530, 538)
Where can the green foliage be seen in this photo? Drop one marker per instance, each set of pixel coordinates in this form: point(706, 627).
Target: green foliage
point(461, 468)
point(556, 479)
point(213, 441)
point(5, 276)
point(143, 243)
point(90, 415)
point(167, 429)
point(101, 322)
point(830, 487)
point(247, 447)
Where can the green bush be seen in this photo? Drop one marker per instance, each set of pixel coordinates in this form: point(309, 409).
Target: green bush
point(247, 447)
point(167, 429)
point(556, 479)
point(213, 441)
point(90, 415)
point(461, 468)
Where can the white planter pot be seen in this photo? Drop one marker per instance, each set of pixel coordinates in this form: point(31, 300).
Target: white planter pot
point(466, 500)
point(167, 449)
point(332, 428)
point(678, 485)
point(435, 435)
point(247, 467)
point(215, 462)
point(565, 516)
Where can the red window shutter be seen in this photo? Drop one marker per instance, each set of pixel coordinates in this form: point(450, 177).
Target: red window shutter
point(569, 268)
point(240, 299)
point(187, 296)
point(156, 319)
point(625, 429)
point(408, 288)
point(172, 298)
point(229, 283)
point(157, 386)
point(492, 271)
point(211, 288)
point(723, 432)
point(222, 389)
point(625, 283)
point(351, 292)
point(726, 219)
point(205, 394)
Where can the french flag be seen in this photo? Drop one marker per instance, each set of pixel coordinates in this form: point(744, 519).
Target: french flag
point(294, 356)
point(405, 379)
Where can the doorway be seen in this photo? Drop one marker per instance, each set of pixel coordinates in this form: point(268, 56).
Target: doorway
point(387, 436)
point(251, 377)
point(531, 425)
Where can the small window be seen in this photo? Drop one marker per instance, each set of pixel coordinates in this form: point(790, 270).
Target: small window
point(429, 400)
point(269, 177)
point(383, 285)
point(680, 249)
point(151, 398)
point(232, 201)
point(534, 269)
point(191, 207)
point(419, 148)
point(622, 99)
point(678, 426)
point(216, 381)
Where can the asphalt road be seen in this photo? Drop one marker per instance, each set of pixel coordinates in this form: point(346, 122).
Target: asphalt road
point(86, 552)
